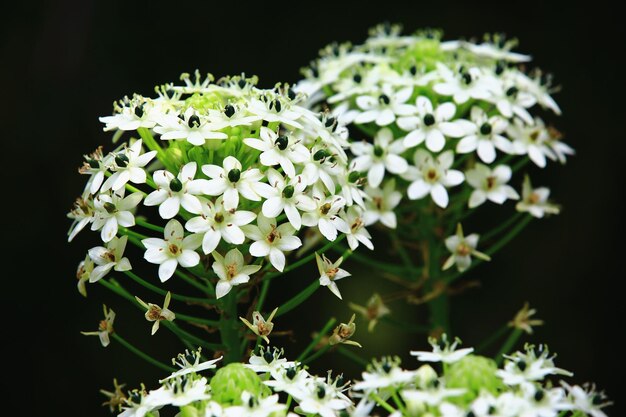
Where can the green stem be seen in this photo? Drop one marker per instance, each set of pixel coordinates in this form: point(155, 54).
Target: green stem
point(229, 327)
point(502, 226)
point(352, 356)
point(406, 259)
point(263, 294)
point(131, 233)
point(148, 225)
point(508, 345)
point(162, 292)
point(398, 402)
point(316, 355)
point(384, 404)
point(491, 339)
point(142, 355)
point(298, 298)
point(191, 281)
point(329, 324)
point(438, 306)
point(152, 144)
point(383, 266)
point(406, 326)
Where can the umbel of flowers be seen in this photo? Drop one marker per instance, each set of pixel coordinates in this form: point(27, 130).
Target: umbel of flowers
point(450, 382)
point(437, 130)
point(215, 183)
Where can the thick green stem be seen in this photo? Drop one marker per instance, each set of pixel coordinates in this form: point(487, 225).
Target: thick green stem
point(384, 404)
point(142, 355)
point(229, 327)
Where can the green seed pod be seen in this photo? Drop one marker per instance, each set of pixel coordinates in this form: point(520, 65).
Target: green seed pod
point(233, 379)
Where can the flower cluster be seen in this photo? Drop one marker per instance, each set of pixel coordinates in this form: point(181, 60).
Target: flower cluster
point(234, 171)
point(469, 385)
point(442, 121)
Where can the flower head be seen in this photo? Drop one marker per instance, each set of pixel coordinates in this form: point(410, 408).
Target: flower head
point(442, 351)
point(462, 248)
point(330, 272)
point(231, 270)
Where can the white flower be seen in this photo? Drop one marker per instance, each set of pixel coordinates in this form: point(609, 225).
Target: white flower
point(279, 150)
point(156, 314)
point(531, 140)
point(173, 250)
point(131, 115)
point(216, 223)
point(383, 374)
point(325, 215)
point(255, 406)
point(523, 368)
point(268, 360)
point(330, 272)
point(381, 204)
point(432, 176)
point(271, 240)
point(105, 327)
point(189, 362)
point(286, 196)
point(510, 101)
point(231, 116)
point(322, 166)
point(138, 405)
point(193, 127)
point(351, 188)
point(497, 52)
point(543, 402)
point(95, 165)
point(383, 155)
point(535, 200)
point(462, 248)
point(82, 214)
point(486, 137)
point(432, 396)
point(320, 400)
point(587, 399)
point(559, 150)
point(353, 226)
point(443, 351)
point(490, 184)
point(231, 270)
point(113, 210)
point(432, 125)
point(260, 326)
point(180, 392)
point(290, 379)
point(274, 110)
point(463, 85)
point(111, 257)
point(232, 181)
point(384, 107)
point(83, 273)
point(174, 192)
point(128, 166)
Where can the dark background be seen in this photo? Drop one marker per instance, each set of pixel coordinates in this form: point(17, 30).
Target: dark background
point(64, 63)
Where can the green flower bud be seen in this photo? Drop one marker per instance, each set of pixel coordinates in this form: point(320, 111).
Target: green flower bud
point(233, 379)
point(475, 374)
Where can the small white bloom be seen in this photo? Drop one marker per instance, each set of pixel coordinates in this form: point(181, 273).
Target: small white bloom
point(274, 109)
point(322, 166)
point(432, 125)
point(542, 402)
point(353, 226)
point(384, 374)
point(433, 396)
point(83, 273)
point(272, 241)
point(319, 399)
point(432, 176)
point(352, 188)
point(535, 200)
point(384, 107)
point(326, 215)
point(131, 115)
point(232, 181)
point(190, 362)
point(286, 196)
point(111, 257)
point(531, 140)
point(82, 214)
point(290, 379)
point(231, 270)
point(462, 248)
point(174, 249)
point(463, 85)
point(255, 406)
point(485, 137)
point(383, 155)
point(128, 165)
point(95, 165)
point(194, 127)
point(138, 405)
point(105, 327)
point(381, 205)
point(279, 150)
point(156, 313)
point(510, 100)
point(268, 360)
point(490, 184)
point(174, 192)
point(113, 210)
point(259, 325)
point(217, 223)
point(180, 392)
point(587, 399)
point(330, 272)
point(231, 116)
point(528, 367)
point(443, 351)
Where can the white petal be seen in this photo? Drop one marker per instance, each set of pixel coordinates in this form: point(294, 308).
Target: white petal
point(414, 138)
point(435, 140)
point(166, 269)
point(210, 241)
point(259, 249)
point(376, 174)
point(189, 258)
point(439, 195)
point(222, 288)
point(418, 189)
point(155, 198)
point(272, 207)
point(233, 234)
point(486, 151)
point(477, 198)
point(396, 164)
point(169, 208)
point(277, 259)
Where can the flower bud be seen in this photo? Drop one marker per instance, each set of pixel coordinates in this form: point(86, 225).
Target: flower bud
point(475, 374)
point(233, 379)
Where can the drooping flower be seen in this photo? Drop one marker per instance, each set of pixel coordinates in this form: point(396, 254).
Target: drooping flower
point(372, 311)
point(535, 200)
point(105, 327)
point(259, 325)
point(330, 272)
point(231, 270)
point(111, 257)
point(343, 333)
point(156, 314)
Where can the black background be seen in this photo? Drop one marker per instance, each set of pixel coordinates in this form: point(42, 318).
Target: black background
point(64, 63)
